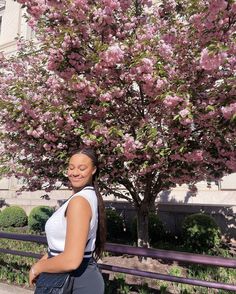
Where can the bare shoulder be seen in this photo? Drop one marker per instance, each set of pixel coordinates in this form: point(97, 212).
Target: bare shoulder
point(78, 199)
point(79, 203)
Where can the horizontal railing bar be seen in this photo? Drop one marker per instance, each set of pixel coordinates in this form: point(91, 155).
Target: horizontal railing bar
point(169, 278)
point(171, 255)
point(21, 253)
point(24, 237)
point(144, 252)
point(140, 273)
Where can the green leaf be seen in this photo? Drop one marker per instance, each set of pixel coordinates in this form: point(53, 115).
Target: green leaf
point(181, 150)
point(210, 108)
point(233, 118)
point(176, 117)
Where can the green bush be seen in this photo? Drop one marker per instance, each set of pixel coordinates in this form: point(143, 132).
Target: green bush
point(114, 225)
point(201, 234)
point(13, 216)
point(38, 217)
point(156, 230)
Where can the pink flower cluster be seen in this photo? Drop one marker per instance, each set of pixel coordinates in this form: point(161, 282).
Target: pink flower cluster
point(112, 56)
point(162, 76)
point(194, 156)
point(231, 164)
point(211, 61)
point(145, 67)
point(229, 111)
point(172, 100)
point(165, 51)
point(130, 146)
point(215, 7)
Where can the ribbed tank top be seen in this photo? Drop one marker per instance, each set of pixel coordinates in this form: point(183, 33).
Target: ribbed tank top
point(55, 227)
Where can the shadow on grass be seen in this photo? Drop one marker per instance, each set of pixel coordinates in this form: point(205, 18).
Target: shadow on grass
point(119, 286)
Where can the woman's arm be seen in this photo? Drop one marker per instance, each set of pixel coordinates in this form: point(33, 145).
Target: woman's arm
point(78, 221)
point(45, 256)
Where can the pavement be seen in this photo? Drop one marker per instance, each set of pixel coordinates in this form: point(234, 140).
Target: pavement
point(11, 289)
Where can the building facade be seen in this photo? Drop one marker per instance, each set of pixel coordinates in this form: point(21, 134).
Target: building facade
point(12, 24)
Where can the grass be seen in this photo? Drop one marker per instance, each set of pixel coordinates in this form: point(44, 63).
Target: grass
point(14, 269)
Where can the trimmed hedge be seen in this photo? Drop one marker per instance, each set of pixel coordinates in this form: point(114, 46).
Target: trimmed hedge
point(201, 233)
point(38, 217)
point(13, 216)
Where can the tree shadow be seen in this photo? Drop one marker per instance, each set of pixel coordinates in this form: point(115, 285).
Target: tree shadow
point(3, 203)
point(119, 285)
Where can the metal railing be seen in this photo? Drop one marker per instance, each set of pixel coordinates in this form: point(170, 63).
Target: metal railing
point(142, 252)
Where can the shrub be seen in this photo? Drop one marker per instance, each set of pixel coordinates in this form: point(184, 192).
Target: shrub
point(114, 224)
point(13, 216)
point(156, 230)
point(201, 233)
point(38, 217)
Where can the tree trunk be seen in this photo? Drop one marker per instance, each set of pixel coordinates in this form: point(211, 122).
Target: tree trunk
point(142, 225)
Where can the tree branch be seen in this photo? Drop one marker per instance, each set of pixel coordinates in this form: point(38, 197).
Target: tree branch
point(116, 194)
point(129, 186)
point(156, 188)
point(142, 99)
point(148, 188)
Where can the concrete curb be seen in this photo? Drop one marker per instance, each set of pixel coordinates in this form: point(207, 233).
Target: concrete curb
point(10, 289)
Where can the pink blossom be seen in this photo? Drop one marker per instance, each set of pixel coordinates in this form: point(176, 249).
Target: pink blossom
point(215, 7)
point(211, 61)
point(130, 145)
point(47, 147)
point(105, 97)
point(144, 68)
point(160, 84)
point(70, 120)
point(231, 164)
point(233, 7)
point(147, 65)
point(50, 137)
point(186, 121)
point(125, 4)
point(165, 50)
point(193, 156)
point(112, 4)
point(32, 23)
point(172, 101)
point(60, 146)
point(229, 111)
point(113, 55)
point(184, 112)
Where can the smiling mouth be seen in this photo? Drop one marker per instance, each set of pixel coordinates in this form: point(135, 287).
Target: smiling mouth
point(76, 180)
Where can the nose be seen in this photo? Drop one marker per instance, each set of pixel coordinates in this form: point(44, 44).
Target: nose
point(75, 173)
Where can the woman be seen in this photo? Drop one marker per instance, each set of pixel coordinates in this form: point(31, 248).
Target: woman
point(77, 229)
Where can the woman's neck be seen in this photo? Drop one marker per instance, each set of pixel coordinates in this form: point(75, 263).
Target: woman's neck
point(76, 190)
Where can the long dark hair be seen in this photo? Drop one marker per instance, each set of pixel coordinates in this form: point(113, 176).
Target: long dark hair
point(102, 229)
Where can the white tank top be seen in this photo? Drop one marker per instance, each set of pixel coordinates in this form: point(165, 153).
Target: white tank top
point(55, 227)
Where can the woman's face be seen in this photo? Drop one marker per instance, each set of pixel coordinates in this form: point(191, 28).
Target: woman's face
point(80, 170)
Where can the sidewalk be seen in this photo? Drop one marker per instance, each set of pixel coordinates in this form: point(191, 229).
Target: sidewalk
point(10, 289)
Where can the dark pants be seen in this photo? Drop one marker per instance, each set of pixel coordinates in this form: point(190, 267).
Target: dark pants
point(87, 278)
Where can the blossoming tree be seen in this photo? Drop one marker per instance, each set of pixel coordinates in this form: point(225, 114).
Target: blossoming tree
point(151, 85)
